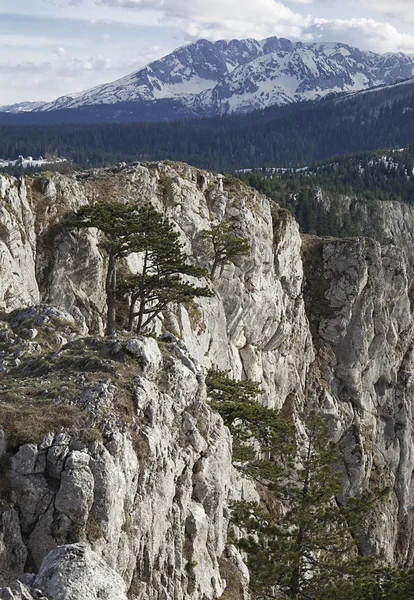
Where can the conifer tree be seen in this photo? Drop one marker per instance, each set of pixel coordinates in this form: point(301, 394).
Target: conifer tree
point(142, 230)
point(303, 545)
point(300, 542)
point(159, 279)
point(227, 246)
point(119, 223)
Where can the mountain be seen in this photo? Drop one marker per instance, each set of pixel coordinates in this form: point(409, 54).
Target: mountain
point(185, 73)
point(304, 72)
point(229, 77)
point(21, 107)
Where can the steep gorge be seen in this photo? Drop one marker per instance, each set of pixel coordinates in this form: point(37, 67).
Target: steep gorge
point(137, 488)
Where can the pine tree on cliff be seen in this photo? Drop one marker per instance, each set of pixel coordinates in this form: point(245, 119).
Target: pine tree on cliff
point(300, 542)
point(227, 245)
point(127, 229)
point(118, 223)
point(303, 545)
point(163, 263)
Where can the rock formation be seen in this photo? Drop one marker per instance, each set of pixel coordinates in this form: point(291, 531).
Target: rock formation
point(115, 474)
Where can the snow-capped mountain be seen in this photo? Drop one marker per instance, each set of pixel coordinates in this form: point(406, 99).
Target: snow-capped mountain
point(207, 78)
point(21, 107)
point(304, 72)
point(183, 74)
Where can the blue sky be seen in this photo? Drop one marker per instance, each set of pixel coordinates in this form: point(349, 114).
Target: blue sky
point(49, 48)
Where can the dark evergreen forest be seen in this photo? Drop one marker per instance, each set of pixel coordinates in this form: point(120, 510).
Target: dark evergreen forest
point(290, 135)
point(315, 196)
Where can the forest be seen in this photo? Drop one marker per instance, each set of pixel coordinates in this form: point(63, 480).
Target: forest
point(278, 136)
point(367, 178)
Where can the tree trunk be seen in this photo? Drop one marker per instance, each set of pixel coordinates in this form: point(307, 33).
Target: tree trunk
point(295, 579)
point(131, 311)
point(294, 585)
point(217, 259)
point(141, 295)
point(110, 288)
point(130, 316)
point(140, 315)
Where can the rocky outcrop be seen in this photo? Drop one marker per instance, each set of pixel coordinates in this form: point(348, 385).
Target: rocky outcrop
point(124, 460)
point(144, 486)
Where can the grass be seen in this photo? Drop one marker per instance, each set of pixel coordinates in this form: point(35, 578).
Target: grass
point(39, 395)
point(27, 420)
point(195, 316)
point(234, 588)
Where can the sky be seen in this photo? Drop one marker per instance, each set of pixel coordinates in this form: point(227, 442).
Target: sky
point(49, 48)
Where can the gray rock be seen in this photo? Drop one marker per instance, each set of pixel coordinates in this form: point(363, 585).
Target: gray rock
point(73, 572)
point(75, 496)
point(152, 495)
point(3, 445)
point(147, 352)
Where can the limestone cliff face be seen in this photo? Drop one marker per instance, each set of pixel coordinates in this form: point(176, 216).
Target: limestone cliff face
point(327, 321)
point(135, 491)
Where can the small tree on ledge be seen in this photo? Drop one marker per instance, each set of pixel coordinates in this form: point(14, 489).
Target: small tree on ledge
point(130, 229)
point(159, 280)
point(227, 246)
point(118, 222)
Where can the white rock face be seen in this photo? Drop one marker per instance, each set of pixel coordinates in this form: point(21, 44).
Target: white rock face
point(361, 316)
point(334, 326)
point(151, 502)
point(18, 285)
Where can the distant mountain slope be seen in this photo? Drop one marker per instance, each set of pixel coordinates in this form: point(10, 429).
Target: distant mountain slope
point(348, 195)
point(215, 78)
point(304, 72)
point(21, 107)
point(293, 134)
point(183, 74)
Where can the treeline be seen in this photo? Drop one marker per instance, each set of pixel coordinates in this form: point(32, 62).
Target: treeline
point(297, 134)
point(301, 197)
point(315, 195)
point(383, 175)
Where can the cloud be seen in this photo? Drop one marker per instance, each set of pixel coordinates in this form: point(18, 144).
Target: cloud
point(123, 35)
point(60, 75)
point(17, 40)
point(216, 19)
point(226, 19)
point(366, 34)
point(401, 10)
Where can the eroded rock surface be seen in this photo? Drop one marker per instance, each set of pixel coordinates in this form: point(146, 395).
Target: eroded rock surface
point(143, 483)
point(143, 477)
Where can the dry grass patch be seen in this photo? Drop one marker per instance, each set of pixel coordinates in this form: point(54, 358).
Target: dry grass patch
point(27, 421)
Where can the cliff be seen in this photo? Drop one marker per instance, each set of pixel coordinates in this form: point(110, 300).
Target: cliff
point(115, 474)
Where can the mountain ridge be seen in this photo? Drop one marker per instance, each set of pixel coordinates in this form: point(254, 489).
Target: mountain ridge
point(237, 76)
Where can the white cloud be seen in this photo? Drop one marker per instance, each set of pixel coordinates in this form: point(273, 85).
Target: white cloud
point(114, 37)
point(366, 34)
point(57, 76)
point(19, 41)
point(216, 19)
point(393, 9)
